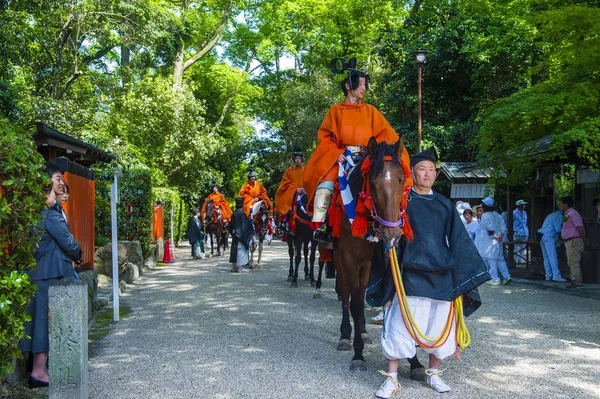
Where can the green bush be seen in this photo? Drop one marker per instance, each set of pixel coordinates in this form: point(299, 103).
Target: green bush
point(134, 212)
point(21, 203)
point(170, 197)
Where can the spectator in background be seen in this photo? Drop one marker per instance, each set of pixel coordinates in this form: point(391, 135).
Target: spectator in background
point(54, 257)
point(489, 242)
point(470, 223)
point(241, 234)
point(478, 212)
point(195, 235)
point(547, 236)
point(575, 239)
point(520, 231)
point(62, 196)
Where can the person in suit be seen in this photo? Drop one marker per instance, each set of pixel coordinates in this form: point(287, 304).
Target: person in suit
point(196, 234)
point(54, 256)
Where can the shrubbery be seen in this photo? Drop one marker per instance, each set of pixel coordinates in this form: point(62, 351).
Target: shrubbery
point(21, 203)
point(134, 212)
point(170, 197)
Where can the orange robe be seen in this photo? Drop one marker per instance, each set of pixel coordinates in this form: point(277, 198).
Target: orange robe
point(293, 179)
point(220, 201)
point(248, 192)
point(345, 125)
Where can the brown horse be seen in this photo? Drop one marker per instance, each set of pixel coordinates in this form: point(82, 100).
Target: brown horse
point(353, 254)
point(213, 226)
point(303, 240)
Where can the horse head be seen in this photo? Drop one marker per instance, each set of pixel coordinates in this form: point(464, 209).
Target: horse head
point(261, 219)
point(386, 178)
point(211, 213)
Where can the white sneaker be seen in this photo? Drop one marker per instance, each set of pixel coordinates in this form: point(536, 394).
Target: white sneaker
point(377, 319)
point(389, 388)
point(559, 280)
point(243, 270)
point(435, 381)
point(202, 256)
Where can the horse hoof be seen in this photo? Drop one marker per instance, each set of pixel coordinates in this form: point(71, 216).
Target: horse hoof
point(358, 365)
point(344, 345)
point(316, 296)
point(312, 283)
point(260, 265)
point(290, 278)
point(366, 338)
point(294, 284)
point(218, 254)
point(250, 267)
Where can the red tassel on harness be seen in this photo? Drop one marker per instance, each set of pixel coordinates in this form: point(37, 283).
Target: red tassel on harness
point(335, 220)
point(359, 225)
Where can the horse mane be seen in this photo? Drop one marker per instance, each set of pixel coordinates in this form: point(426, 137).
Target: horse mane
point(383, 150)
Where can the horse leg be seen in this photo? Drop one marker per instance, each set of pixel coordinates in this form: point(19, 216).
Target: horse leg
point(298, 247)
point(344, 343)
point(357, 309)
point(313, 250)
point(260, 249)
point(306, 271)
point(317, 293)
point(290, 243)
point(218, 234)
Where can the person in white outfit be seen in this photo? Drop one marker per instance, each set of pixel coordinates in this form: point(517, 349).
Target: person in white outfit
point(489, 242)
point(548, 235)
point(471, 224)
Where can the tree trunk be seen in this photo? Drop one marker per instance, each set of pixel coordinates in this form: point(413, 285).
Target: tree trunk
point(178, 70)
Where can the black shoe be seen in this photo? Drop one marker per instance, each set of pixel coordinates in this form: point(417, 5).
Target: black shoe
point(35, 383)
point(321, 235)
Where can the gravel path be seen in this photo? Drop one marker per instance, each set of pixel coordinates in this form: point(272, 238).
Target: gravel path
point(198, 331)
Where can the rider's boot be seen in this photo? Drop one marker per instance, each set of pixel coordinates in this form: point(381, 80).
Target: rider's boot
point(322, 201)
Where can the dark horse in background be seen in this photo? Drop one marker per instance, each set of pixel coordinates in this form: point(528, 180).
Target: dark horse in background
point(213, 226)
point(261, 228)
point(301, 239)
point(353, 255)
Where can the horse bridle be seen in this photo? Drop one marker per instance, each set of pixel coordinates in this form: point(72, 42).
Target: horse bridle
point(380, 220)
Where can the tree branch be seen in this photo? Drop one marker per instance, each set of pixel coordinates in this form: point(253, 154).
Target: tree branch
point(72, 79)
point(207, 46)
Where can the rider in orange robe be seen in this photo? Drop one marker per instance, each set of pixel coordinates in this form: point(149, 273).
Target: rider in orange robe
point(253, 191)
point(220, 202)
point(291, 183)
point(347, 125)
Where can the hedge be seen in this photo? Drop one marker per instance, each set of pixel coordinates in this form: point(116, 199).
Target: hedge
point(22, 179)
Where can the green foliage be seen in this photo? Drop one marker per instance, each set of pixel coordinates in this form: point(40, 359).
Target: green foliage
point(21, 203)
point(564, 101)
point(134, 211)
point(171, 200)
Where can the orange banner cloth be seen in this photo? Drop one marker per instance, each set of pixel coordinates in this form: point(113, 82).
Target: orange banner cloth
point(218, 200)
point(293, 179)
point(345, 125)
point(250, 191)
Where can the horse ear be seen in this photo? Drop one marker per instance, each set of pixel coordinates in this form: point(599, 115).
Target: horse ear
point(372, 147)
point(399, 147)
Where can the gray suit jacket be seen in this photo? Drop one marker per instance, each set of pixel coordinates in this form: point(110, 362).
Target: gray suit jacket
point(56, 249)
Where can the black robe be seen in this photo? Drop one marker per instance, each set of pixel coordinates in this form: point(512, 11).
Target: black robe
point(241, 231)
point(441, 262)
point(195, 230)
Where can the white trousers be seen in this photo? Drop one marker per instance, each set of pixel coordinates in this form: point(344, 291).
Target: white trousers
point(430, 315)
point(495, 264)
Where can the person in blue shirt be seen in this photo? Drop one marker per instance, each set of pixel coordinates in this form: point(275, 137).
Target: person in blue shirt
point(520, 230)
point(549, 234)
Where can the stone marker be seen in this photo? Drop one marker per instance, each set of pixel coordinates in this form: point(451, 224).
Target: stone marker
point(68, 324)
